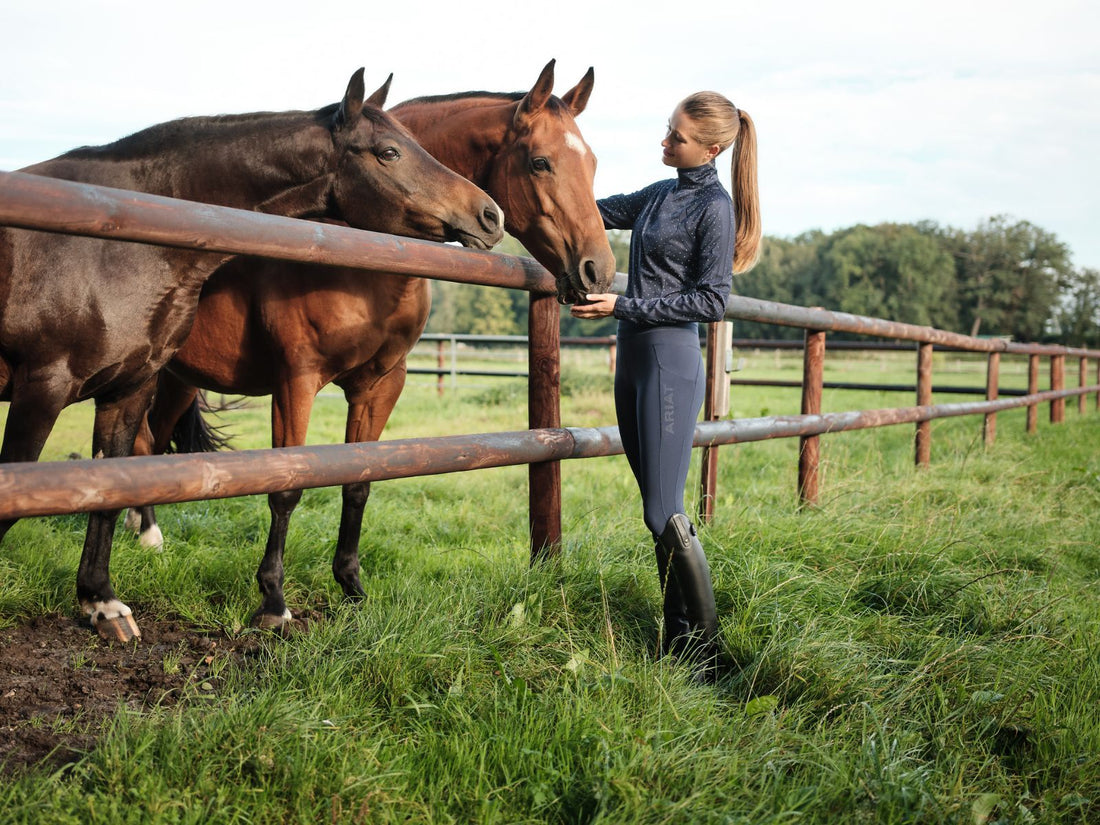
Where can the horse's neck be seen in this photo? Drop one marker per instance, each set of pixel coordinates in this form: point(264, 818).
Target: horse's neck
point(284, 176)
point(464, 136)
point(289, 177)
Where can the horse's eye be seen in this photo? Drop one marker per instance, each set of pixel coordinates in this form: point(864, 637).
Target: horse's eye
point(389, 154)
point(540, 165)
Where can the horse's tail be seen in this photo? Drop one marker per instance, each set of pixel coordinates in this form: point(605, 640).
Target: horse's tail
point(194, 434)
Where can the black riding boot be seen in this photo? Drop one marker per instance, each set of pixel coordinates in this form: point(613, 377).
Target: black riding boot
point(691, 619)
point(677, 628)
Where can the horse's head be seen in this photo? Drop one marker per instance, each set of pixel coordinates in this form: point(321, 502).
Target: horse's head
point(543, 178)
point(386, 182)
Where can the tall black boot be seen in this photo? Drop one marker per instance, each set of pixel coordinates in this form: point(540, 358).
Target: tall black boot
point(676, 631)
point(687, 566)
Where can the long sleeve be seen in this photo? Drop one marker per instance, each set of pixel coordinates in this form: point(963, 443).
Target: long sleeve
point(681, 261)
point(621, 211)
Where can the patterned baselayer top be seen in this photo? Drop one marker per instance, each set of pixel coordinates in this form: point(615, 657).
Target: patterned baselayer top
point(681, 249)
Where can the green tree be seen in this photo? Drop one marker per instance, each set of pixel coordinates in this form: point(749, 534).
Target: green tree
point(1078, 315)
point(471, 309)
point(783, 274)
point(888, 271)
point(1009, 277)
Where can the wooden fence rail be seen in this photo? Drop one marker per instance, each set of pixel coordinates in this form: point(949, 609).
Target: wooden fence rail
point(58, 487)
point(46, 204)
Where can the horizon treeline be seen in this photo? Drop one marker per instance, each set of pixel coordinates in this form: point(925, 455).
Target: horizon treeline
point(1005, 277)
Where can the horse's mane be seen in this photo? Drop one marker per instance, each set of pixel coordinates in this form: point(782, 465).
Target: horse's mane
point(165, 136)
point(494, 97)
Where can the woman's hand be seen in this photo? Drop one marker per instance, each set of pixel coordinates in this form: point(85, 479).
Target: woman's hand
point(599, 305)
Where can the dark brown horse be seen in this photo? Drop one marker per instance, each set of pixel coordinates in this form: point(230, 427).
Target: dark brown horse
point(87, 318)
point(260, 331)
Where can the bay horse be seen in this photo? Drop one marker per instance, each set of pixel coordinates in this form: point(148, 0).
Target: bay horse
point(260, 331)
point(88, 318)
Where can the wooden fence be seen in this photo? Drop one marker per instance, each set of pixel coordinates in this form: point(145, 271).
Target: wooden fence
point(32, 202)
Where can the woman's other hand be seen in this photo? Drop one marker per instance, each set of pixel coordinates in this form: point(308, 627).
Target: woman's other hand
point(598, 305)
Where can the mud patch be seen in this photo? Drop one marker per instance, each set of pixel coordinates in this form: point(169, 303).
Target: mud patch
point(59, 682)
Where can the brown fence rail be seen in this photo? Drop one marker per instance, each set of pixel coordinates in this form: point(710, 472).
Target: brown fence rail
point(31, 202)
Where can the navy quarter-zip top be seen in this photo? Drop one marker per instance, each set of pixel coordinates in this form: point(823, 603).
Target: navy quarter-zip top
point(681, 248)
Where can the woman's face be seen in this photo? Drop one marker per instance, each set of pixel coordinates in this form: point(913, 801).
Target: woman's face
point(681, 149)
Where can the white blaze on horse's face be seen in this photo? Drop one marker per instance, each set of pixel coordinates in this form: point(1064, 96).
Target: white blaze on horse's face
point(574, 141)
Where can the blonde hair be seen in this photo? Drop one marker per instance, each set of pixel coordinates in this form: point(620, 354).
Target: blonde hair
point(716, 121)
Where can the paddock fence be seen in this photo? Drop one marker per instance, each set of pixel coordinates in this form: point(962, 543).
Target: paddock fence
point(52, 488)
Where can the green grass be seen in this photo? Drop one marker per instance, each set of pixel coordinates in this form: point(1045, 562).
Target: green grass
point(919, 648)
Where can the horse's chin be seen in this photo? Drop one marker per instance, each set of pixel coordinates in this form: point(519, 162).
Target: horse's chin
point(466, 239)
point(475, 243)
point(568, 292)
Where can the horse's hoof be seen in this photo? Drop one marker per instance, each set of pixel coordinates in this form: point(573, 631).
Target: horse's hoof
point(273, 621)
point(117, 628)
point(112, 620)
point(132, 522)
point(153, 538)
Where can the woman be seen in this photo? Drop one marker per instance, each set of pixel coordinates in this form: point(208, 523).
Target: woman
point(688, 238)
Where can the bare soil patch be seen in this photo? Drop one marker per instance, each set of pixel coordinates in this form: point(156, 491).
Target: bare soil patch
point(59, 682)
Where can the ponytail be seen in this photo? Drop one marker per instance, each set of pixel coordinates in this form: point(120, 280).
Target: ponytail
point(746, 197)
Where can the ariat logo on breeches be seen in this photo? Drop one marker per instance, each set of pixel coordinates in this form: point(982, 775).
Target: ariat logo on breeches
point(668, 409)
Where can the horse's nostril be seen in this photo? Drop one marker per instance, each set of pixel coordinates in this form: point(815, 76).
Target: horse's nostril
point(589, 273)
point(492, 216)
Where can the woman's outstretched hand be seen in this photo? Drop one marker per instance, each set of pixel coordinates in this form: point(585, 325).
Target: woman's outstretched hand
point(597, 305)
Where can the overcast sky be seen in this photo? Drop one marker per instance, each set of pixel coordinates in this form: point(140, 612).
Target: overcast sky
point(952, 111)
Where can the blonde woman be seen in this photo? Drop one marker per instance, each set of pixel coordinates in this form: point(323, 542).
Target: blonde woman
point(688, 238)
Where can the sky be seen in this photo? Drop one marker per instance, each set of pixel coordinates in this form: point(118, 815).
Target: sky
point(952, 111)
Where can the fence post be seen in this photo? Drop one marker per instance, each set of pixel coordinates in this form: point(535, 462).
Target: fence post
point(992, 379)
point(809, 446)
point(1082, 380)
point(924, 399)
point(1032, 388)
point(454, 363)
point(439, 362)
point(1057, 382)
point(544, 410)
point(715, 406)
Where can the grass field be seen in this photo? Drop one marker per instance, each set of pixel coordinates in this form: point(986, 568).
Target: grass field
point(922, 647)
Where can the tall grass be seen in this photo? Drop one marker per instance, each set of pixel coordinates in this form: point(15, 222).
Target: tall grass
point(919, 648)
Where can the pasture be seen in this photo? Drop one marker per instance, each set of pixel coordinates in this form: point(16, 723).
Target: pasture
point(921, 647)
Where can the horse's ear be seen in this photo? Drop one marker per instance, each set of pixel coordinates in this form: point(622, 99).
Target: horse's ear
point(535, 99)
point(577, 97)
point(352, 104)
point(378, 99)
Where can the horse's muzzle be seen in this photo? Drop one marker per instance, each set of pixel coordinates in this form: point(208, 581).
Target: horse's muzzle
point(574, 286)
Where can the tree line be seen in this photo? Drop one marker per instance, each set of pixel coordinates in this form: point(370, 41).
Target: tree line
point(1003, 278)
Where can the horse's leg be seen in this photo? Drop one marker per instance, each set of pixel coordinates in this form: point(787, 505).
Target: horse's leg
point(291, 405)
point(31, 417)
point(173, 399)
point(116, 425)
point(142, 520)
point(369, 406)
